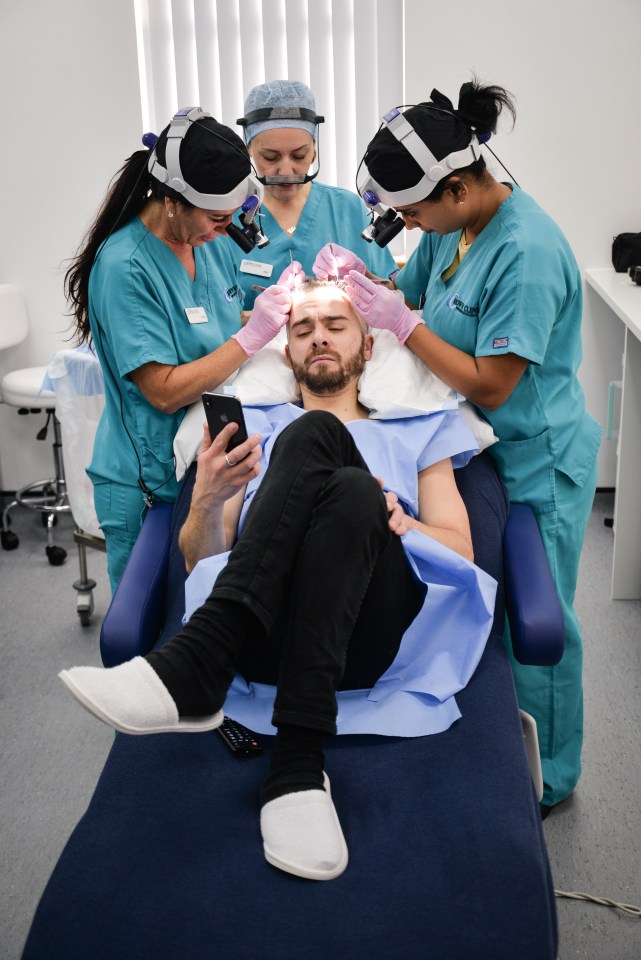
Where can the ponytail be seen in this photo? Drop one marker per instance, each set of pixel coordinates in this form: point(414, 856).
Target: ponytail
point(128, 192)
point(481, 107)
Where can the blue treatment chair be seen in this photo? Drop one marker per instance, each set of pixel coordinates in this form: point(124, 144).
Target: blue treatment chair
point(447, 856)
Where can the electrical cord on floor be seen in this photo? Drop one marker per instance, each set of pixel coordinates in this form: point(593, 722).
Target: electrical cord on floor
point(629, 908)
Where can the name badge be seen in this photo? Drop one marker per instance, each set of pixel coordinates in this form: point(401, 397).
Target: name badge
point(196, 314)
point(256, 268)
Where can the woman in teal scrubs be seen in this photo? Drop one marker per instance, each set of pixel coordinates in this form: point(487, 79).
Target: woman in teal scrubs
point(299, 214)
point(161, 304)
point(502, 302)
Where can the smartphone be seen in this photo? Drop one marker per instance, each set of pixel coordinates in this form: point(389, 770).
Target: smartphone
point(221, 409)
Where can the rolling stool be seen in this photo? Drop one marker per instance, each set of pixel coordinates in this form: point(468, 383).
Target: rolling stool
point(21, 389)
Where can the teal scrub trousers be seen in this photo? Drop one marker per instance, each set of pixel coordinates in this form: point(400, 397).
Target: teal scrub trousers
point(120, 509)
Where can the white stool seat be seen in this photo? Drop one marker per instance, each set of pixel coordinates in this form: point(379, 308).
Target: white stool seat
point(21, 388)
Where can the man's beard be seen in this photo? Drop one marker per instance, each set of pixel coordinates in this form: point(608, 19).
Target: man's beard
point(324, 380)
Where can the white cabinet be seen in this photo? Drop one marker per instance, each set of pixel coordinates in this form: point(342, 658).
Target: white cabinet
point(624, 298)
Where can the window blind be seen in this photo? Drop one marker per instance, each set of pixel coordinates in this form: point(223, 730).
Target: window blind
point(209, 53)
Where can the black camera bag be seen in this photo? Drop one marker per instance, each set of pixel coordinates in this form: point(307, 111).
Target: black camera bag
point(626, 251)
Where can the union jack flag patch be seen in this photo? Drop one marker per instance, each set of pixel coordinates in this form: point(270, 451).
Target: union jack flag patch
point(499, 342)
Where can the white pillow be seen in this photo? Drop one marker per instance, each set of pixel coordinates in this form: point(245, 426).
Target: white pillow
point(267, 378)
point(394, 384)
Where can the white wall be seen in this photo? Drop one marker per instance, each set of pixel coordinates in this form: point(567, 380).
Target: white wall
point(71, 115)
point(574, 68)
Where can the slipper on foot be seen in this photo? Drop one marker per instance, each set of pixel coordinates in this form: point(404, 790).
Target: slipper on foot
point(302, 835)
point(133, 699)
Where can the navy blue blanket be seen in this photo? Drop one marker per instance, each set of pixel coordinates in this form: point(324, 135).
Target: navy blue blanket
point(447, 858)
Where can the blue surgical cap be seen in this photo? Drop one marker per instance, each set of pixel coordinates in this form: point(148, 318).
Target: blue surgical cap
point(279, 93)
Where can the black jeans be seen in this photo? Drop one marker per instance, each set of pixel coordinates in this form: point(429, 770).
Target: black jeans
point(329, 587)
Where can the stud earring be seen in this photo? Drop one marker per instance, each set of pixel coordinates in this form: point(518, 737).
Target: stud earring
point(171, 216)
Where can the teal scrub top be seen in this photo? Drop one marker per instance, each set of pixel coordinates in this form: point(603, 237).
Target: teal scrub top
point(330, 214)
point(518, 290)
point(139, 298)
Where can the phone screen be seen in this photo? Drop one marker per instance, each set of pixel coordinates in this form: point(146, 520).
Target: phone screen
point(221, 409)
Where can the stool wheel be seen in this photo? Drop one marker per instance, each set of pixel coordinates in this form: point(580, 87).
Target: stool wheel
point(9, 540)
point(85, 617)
point(56, 556)
point(84, 603)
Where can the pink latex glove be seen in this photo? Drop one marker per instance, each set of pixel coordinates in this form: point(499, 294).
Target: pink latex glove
point(380, 307)
point(270, 314)
point(334, 263)
point(291, 275)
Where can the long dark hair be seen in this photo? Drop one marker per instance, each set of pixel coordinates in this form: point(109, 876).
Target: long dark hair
point(127, 194)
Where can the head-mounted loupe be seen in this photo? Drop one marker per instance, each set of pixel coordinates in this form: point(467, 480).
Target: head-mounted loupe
point(247, 194)
point(248, 235)
point(386, 223)
point(265, 115)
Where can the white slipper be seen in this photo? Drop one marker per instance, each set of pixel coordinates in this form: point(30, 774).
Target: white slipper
point(132, 698)
point(302, 835)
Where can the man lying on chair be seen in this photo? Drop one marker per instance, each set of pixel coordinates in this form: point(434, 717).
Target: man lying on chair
point(324, 519)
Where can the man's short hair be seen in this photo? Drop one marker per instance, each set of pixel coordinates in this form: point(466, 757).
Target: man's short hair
point(314, 283)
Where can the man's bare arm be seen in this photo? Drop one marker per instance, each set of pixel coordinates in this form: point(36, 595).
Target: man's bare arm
point(442, 513)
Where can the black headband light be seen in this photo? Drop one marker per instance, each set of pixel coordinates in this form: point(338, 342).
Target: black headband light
point(280, 113)
point(386, 223)
point(247, 194)
point(171, 174)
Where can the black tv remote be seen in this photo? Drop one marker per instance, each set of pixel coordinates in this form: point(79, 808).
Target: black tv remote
point(239, 739)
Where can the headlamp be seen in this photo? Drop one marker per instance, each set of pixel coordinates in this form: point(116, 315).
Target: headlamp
point(248, 235)
point(386, 224)
point(171, 175)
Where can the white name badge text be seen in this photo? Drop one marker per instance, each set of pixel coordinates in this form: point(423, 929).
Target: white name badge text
point(256, 268)
point(196, 314)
